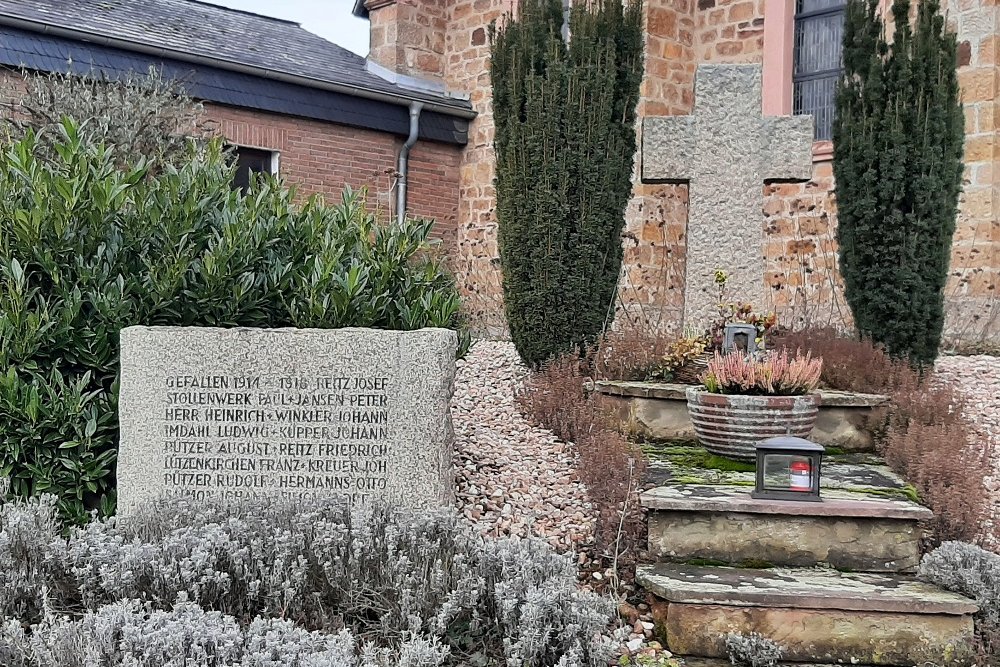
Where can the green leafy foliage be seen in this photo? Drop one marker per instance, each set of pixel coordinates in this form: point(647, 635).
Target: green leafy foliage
point(897, 162)
point(565, 142)
point(145, 116)
point(88, 246)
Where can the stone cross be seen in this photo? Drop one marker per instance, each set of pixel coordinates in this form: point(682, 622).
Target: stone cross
point(725, 150)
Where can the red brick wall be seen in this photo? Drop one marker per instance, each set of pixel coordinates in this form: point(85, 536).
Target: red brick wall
point(322, 158)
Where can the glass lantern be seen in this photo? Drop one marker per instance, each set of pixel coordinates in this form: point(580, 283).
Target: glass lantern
point(788, 468)
point(740, 338)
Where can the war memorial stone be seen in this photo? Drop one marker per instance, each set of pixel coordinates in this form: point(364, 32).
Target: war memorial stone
point(231, 414)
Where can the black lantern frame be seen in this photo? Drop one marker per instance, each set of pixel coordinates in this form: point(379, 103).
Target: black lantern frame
point(801, 459)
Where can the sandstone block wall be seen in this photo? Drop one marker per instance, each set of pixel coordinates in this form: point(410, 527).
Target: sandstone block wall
point(798, 246)
point(408, 36)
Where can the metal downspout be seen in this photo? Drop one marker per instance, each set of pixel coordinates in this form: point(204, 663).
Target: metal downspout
point(403, 166)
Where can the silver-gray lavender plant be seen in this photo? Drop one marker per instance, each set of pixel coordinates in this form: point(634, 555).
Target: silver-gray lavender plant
point(281, 584)
point(975, 573)
point(752, 650)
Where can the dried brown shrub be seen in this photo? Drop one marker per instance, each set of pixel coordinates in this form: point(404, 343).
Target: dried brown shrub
point(849, 364)
point(926, 435)
point(629, 351)
point(556, 397)
point(930, 441)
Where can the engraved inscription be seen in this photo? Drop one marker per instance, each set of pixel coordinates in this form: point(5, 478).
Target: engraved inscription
point(239, 437)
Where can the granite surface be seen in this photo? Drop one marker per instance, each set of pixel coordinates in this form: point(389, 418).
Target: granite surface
point(726, 150)
point(230, 414)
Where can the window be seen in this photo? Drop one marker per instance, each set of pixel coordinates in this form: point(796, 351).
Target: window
point(252, 161)
point(819, 31)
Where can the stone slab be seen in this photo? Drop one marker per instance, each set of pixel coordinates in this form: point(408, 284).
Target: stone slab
point(677, 392)
point(210, 413)
point(808, 588)
point(856, 544)
point(896, 639)
point(863, 480)
point(836, 503)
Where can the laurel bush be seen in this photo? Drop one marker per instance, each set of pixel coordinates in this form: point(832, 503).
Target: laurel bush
point(283, 584)
point(89, 246)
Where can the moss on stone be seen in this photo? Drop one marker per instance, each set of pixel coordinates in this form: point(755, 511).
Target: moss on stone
point(908, 492)
point(706, 562)
point(693, 457)
point(713, 462)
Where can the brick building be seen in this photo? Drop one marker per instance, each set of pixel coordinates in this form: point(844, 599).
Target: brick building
point(289, 101)
point(798, 44)
point(324, 118)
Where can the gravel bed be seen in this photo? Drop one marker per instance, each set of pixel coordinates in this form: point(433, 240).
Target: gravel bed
point(513, 479)
point(516, 480)
point(978, 377)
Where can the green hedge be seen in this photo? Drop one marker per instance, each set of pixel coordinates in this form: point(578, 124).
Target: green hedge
point(898, 138)
point(88, 247)
point(565, 147)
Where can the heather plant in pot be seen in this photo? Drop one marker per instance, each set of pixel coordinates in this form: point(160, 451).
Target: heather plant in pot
point(746, 399)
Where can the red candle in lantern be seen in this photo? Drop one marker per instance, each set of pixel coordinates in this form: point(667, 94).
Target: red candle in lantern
point(801, 476)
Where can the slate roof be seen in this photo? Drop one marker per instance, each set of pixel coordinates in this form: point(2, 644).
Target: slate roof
point(202, 30)
point(20, 48)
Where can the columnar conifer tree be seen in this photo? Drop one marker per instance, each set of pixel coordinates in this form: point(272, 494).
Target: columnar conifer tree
point(898, 140)
point(565, 142)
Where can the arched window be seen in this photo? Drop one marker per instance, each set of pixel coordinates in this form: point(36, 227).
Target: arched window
point(819, 31)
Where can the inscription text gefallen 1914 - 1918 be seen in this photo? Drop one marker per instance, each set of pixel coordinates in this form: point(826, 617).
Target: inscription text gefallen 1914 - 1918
point(242, 413)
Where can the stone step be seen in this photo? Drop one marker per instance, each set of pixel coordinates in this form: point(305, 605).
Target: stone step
point(815, 615)
point(724, 525)
point(725, 662)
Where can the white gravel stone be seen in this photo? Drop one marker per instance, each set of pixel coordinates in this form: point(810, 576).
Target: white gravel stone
point(513, 479)
point(978, 377)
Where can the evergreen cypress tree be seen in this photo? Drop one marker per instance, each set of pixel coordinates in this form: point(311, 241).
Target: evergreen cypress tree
point(898, 139)
point(565, 142)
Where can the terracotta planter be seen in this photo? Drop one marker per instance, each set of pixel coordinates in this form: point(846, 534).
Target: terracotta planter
point(730, 426)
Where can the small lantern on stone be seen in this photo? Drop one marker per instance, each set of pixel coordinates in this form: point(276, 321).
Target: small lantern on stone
point(741, 338)
point(788, 468)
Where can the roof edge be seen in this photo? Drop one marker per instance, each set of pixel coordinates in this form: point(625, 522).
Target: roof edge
point(401, 99)
point(412, 83)
point(360, 10)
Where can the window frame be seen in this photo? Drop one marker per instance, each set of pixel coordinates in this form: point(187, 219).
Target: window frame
point(797, 78)
point(274, 164)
